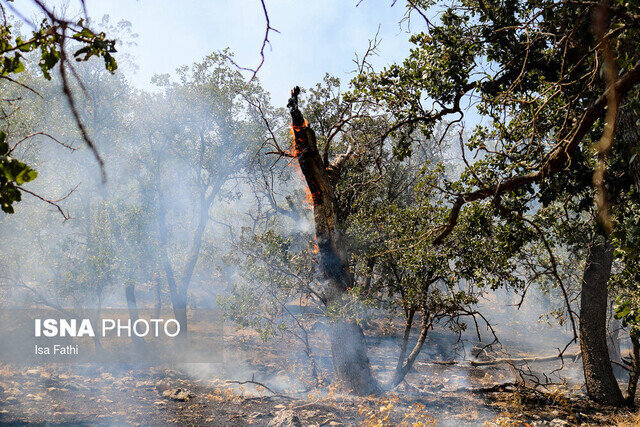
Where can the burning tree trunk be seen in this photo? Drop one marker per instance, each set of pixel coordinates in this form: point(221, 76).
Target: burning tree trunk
point(602, 385)
point(348, 346)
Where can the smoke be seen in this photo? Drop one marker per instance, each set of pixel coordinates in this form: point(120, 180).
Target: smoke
point(188, 188)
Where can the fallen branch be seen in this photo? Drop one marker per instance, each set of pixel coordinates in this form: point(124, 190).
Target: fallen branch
point(489, 389)
point(254, 382)
point(510, 360)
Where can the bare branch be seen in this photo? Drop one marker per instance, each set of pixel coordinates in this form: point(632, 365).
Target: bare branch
point(66, 89)
point(21, 84)
point(53, 203)
point(556, 159)
point(43, 134)
point(265, 42)
point(254, 382)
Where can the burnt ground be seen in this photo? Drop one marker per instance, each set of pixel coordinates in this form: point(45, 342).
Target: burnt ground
point(133, 397)
point(436, 393)
point(99, 395)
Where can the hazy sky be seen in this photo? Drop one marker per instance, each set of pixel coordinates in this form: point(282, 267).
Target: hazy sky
point(316, 36)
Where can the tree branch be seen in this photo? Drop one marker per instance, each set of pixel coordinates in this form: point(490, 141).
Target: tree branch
point(555, 160)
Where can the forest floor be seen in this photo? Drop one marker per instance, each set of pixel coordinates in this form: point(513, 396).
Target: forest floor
point(97, 395)
point(436, 393)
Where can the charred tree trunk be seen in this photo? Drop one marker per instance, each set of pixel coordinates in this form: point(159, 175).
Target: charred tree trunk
point(601, 383)
point(348, 346)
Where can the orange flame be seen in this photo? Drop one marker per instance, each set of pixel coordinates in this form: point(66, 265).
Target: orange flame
point(308, 197)
point(295, 153)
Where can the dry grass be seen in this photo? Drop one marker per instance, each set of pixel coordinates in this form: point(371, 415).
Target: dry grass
point(627, 420)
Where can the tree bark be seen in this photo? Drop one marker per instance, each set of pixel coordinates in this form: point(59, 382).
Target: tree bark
point(403, 369)
point(635, 370)
point(601, 383)
point(405, 342)
point(348, 345)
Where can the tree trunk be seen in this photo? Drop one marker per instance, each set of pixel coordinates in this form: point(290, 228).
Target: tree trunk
point(178, 303)
point(180, 313)
point(179, 290)
point(601, 384)
point(614, 326)
point(132, 305)
point(348, 346)
point(96, 339)
point(405, 342)
point(404, 369)
point(629, 133)
point(157, 297)
point(350, 360)
point(635, 370)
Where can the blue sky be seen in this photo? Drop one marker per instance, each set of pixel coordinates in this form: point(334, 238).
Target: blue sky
point(316, 36)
